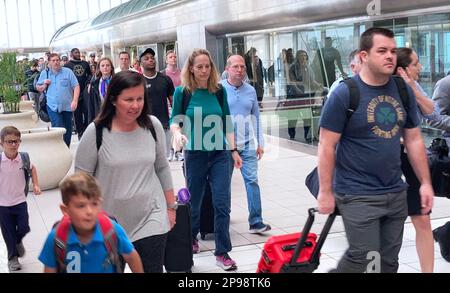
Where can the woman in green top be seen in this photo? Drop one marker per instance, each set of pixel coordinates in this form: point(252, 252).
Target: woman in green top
point(207, 128)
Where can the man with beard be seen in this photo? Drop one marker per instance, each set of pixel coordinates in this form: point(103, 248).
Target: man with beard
point(159, 90)
point(82, 71)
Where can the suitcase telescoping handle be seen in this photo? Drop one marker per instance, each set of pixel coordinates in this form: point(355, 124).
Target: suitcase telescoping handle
point(323, 235)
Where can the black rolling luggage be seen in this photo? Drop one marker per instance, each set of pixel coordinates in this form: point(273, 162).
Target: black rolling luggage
point(207, 213)
point(178, 256)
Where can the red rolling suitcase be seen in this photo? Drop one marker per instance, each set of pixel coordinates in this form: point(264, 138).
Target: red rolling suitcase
point(297, 252)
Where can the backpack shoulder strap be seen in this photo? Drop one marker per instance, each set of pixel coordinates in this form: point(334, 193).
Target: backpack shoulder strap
point(98, 136)
point(219, 95)
point(26, 169)
point(61, 235)
point(110, 239)
point(185, 101)
point(403, 91)
point(354, 96)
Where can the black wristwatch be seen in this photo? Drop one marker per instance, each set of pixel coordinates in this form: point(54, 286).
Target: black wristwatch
point(234, 150)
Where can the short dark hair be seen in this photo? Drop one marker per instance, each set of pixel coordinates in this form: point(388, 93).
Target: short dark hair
point(73, 50)
point(119, 82)
point(403, 57)
point(124, 52)
point(79, 184)
point(366, 41)
point(9, 130)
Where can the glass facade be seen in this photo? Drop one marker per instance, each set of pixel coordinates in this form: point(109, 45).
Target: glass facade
point(32, 23)
point(300, 64)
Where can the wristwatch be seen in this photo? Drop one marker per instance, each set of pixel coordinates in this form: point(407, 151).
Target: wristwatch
point(172, 206)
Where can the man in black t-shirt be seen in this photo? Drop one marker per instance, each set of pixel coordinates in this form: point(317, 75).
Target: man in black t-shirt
point(82, 71)
point(159, 91)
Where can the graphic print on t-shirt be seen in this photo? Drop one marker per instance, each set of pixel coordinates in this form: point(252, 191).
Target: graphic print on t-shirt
point(386, 116)
point(78, 69)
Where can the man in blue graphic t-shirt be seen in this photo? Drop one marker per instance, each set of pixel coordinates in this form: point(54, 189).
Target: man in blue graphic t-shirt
point(363, 154)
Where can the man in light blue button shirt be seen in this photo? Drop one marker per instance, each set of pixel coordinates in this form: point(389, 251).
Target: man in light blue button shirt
point(249, 139)
point(62, 94)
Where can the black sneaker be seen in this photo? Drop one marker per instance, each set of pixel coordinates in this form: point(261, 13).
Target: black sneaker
point(444, 247)
point(259, 228)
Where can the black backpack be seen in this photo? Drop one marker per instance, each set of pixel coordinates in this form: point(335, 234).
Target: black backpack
point(312, 180)
point(43, 113)
point(439, 163)
point(26, 168)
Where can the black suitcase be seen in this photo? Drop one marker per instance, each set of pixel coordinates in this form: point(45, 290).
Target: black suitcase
point(178, 257)
point(207, 213)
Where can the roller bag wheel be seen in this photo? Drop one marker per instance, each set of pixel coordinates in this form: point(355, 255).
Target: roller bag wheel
point(207, 214)
point(297, 252)
point(178, 257)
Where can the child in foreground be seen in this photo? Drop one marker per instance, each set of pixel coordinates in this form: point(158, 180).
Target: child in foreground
point(87, 240)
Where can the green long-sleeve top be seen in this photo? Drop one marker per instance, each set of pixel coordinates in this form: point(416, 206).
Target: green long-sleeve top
point(203, 122)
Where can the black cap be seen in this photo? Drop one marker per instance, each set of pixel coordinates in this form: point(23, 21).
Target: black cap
point(92, 55)
point(64, 58)
point(147, 51)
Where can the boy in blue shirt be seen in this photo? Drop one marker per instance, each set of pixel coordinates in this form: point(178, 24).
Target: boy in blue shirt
point(82, 245)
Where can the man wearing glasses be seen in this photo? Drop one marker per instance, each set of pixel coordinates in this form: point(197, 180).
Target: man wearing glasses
point(62, 94)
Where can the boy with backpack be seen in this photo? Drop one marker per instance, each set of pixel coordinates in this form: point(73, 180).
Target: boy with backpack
point(15, 173)
point(86, 240)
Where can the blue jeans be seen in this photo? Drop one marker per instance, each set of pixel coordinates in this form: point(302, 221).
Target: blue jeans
point(63, 119)
point(249, 172)
point(214, 166)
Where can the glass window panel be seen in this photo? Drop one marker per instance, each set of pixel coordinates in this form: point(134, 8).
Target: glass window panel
point(82, 9)
point(60, 14)
point(94, 9)
point(13, 24)
point(37, 28)
point(72, 10)
point(48, 17)
point(25, 27)
point(4, 38)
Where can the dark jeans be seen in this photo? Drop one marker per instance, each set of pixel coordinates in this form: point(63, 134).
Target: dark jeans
point(213, 166)
point(63, 119)
point(373, 224)
point(152, 250)
point(81, 115)
point(14, 225)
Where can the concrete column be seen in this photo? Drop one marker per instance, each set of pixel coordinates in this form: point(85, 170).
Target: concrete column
point(192, 36)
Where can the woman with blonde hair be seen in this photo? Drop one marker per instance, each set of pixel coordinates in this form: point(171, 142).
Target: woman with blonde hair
point(200, 103)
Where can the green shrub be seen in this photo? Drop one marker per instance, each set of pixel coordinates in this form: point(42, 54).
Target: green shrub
point(12, 82)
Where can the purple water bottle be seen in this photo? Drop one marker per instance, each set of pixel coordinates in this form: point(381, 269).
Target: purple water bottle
point(183, 195)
